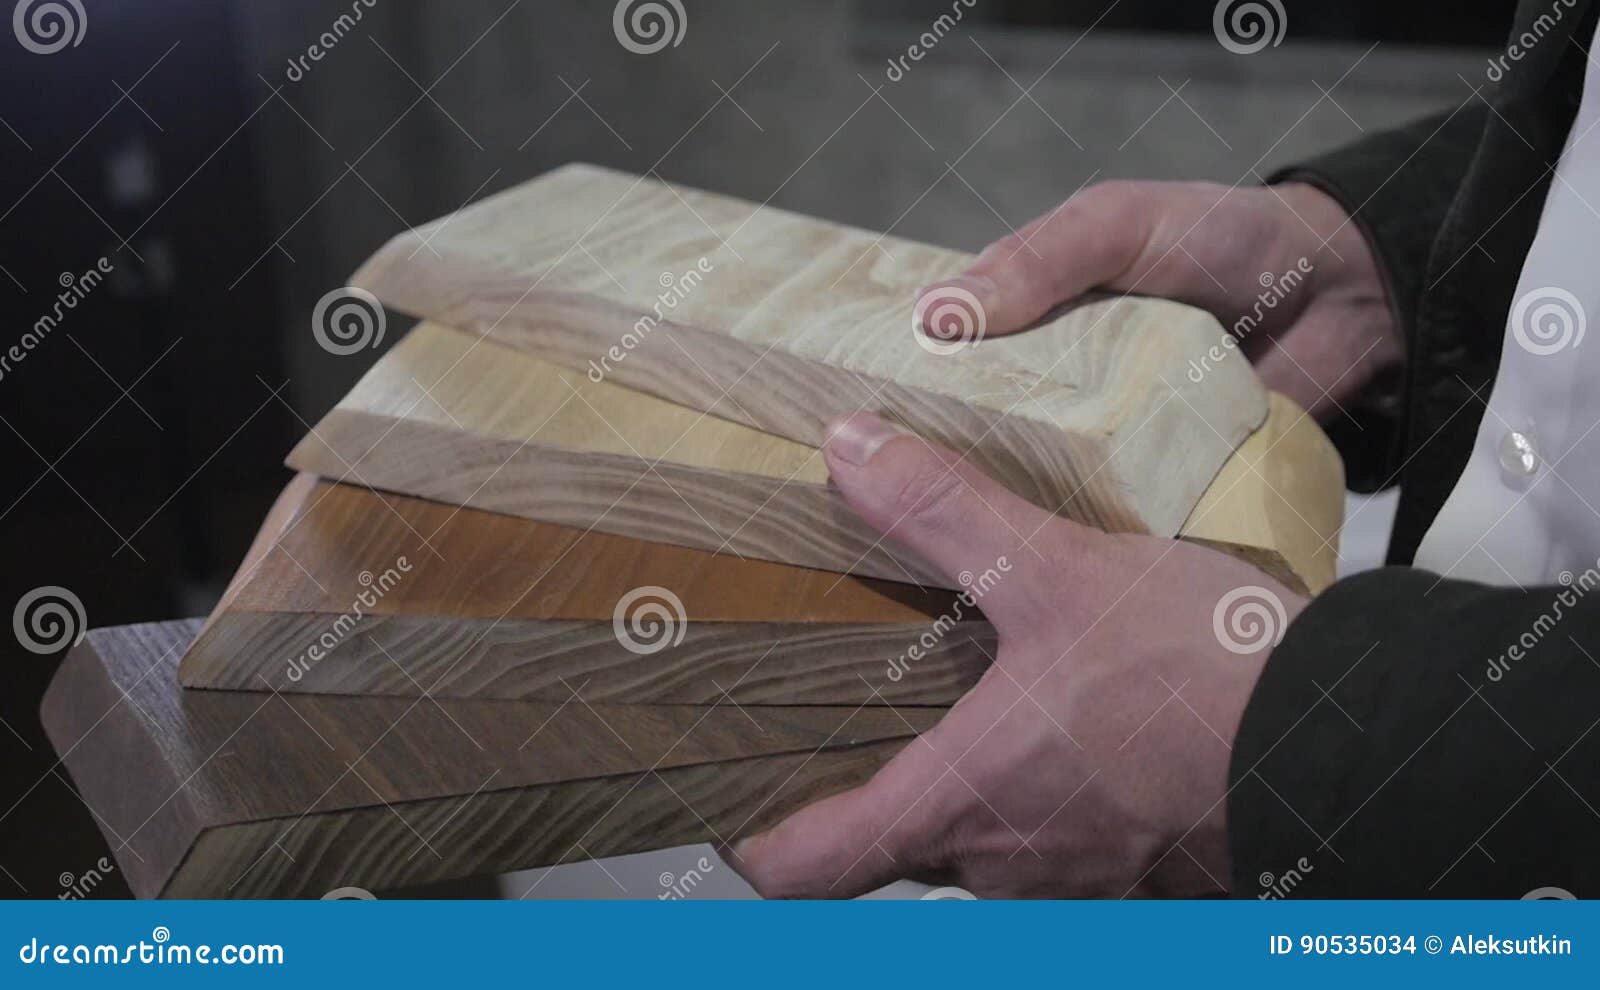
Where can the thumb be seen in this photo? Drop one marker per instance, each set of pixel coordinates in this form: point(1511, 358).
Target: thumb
point(859, 840)
point(954, 516)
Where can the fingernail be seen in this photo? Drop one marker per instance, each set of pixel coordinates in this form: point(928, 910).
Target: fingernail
point(854, 439)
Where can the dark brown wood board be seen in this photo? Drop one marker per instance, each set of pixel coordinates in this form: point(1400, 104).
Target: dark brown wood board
point(257, 794)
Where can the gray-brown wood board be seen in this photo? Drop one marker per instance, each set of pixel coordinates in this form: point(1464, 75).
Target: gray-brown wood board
point(256, 794)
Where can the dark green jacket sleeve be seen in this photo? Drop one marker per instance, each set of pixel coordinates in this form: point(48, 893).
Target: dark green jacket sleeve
point(1397, 185)
point(1417, 737)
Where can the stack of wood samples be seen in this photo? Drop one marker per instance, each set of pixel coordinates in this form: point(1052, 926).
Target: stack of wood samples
point(563, 575)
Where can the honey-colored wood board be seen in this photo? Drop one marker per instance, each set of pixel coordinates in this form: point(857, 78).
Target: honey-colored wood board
point(446, 416)
point(1282, 489)
point(783, 322)
point(350, 591)
point(250, 794)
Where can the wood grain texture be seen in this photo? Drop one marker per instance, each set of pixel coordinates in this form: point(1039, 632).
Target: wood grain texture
point(1282, 489)
point(783, 322)
point(251, 794)
point(447, 416)
point(350, 591)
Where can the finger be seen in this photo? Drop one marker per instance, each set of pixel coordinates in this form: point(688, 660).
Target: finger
point(953, 515)
point(1115, 235)
point(891, 827)
point(1326, 358)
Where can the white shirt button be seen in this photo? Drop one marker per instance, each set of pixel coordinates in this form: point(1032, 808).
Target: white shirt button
point(1519, 458)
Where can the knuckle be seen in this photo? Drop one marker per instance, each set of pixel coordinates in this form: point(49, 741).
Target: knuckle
point(930, 494)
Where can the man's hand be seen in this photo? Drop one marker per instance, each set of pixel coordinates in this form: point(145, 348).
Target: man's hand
point(1216, 248)
point(1092, 758)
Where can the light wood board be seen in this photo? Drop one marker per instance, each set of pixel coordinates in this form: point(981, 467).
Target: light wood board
point(783, 322)
point(241, 794)
point(350, 591)
point(448, 416)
